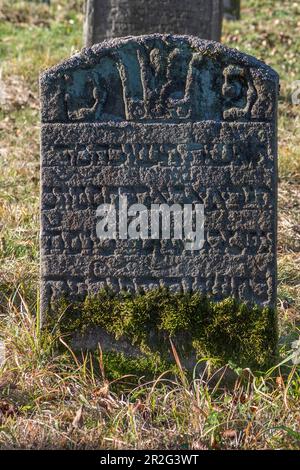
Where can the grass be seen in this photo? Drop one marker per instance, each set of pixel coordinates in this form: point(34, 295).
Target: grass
point(50, 398)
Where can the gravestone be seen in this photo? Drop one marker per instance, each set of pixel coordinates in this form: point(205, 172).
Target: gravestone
point(232, 9)
point(106, 19)
point(159, 119)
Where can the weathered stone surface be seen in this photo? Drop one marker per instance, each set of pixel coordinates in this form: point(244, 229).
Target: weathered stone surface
point(160, 119)
point(106, 19)
point(232, 9)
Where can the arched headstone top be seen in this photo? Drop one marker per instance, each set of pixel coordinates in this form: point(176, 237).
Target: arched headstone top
point(159, 78)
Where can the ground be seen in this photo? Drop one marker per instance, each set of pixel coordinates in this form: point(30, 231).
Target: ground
point(50, 398)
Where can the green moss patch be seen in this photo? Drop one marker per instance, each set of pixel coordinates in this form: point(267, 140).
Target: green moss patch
point(134, 369)
point(228, 331)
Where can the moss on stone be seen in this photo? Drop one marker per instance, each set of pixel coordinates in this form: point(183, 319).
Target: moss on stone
point(118, 365)
point(226, 330)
